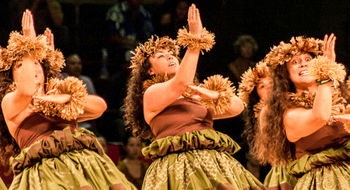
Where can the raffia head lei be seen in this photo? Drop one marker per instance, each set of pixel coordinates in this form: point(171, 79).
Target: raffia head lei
point(20, 46)
point(250, 79)
point(147, 49)
point(283, 53)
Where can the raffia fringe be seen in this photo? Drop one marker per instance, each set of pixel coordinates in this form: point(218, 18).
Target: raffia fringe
point(224, 87)
point(20, 45)
point(70, 110)
point(205, 41)
point(323, 69)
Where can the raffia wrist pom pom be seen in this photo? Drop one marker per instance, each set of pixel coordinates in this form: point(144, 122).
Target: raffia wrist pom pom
point(70, 110)
point(325, 70)
point(226, 92)
point(347, 127)
point(205, 41)
point(55, 60)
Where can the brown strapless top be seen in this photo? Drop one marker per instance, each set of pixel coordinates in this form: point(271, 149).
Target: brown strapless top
point(183, 115)
point(328, 136)
point(38, 126)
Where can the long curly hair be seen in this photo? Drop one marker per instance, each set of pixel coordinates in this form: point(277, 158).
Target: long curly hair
point(8, 144)
point(272, 143)
point(250, 121)
point(133, 102)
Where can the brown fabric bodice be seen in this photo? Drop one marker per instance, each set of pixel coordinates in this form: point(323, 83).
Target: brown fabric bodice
point(328, 136)
point(37, 126)
point(183, 115)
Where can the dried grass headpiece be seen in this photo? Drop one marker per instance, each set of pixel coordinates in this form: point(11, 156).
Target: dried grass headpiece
point(250, 79)
point(20, 46)
point(147, 49)
point(283, 53)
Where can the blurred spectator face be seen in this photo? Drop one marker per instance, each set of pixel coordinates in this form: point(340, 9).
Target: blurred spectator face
point(133, 148)
point(74, 66)
point(247, 50)
point(181, 10)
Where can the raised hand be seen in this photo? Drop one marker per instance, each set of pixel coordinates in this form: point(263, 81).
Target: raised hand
point(194, 20)
point(203, 92)
point(329, 46)
point(49, 38)
point(28, 24)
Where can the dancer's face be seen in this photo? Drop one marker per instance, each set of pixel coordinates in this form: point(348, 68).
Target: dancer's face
point(133, 148)
point(298, 70)
point(163, 61)
point(264, 87)
point(29, 69)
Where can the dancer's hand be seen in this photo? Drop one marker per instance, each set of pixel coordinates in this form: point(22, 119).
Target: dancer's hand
point(49, 38)
point(203, 92)
point(344, 118)
point(55, 98)
point(28, 24)
point(194, 21)
point(329, 46)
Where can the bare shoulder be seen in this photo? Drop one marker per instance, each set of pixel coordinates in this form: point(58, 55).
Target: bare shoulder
point(12, 118)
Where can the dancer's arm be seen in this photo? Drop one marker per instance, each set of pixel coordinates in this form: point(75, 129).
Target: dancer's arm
point(235, 108)
point(94, 108)
point(160, 95)
point(300, 122)
point(95, 105)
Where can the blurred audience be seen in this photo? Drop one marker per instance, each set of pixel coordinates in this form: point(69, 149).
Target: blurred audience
point(245, 48)
point(74, 67)
point(132, 165)
point(172, 20)
point(128, 24)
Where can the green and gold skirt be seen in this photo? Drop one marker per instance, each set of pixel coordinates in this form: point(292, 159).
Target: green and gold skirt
point(279, 179)
point(329, 169)
point(197, 160)
point(2, 185)
point(66, 160)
